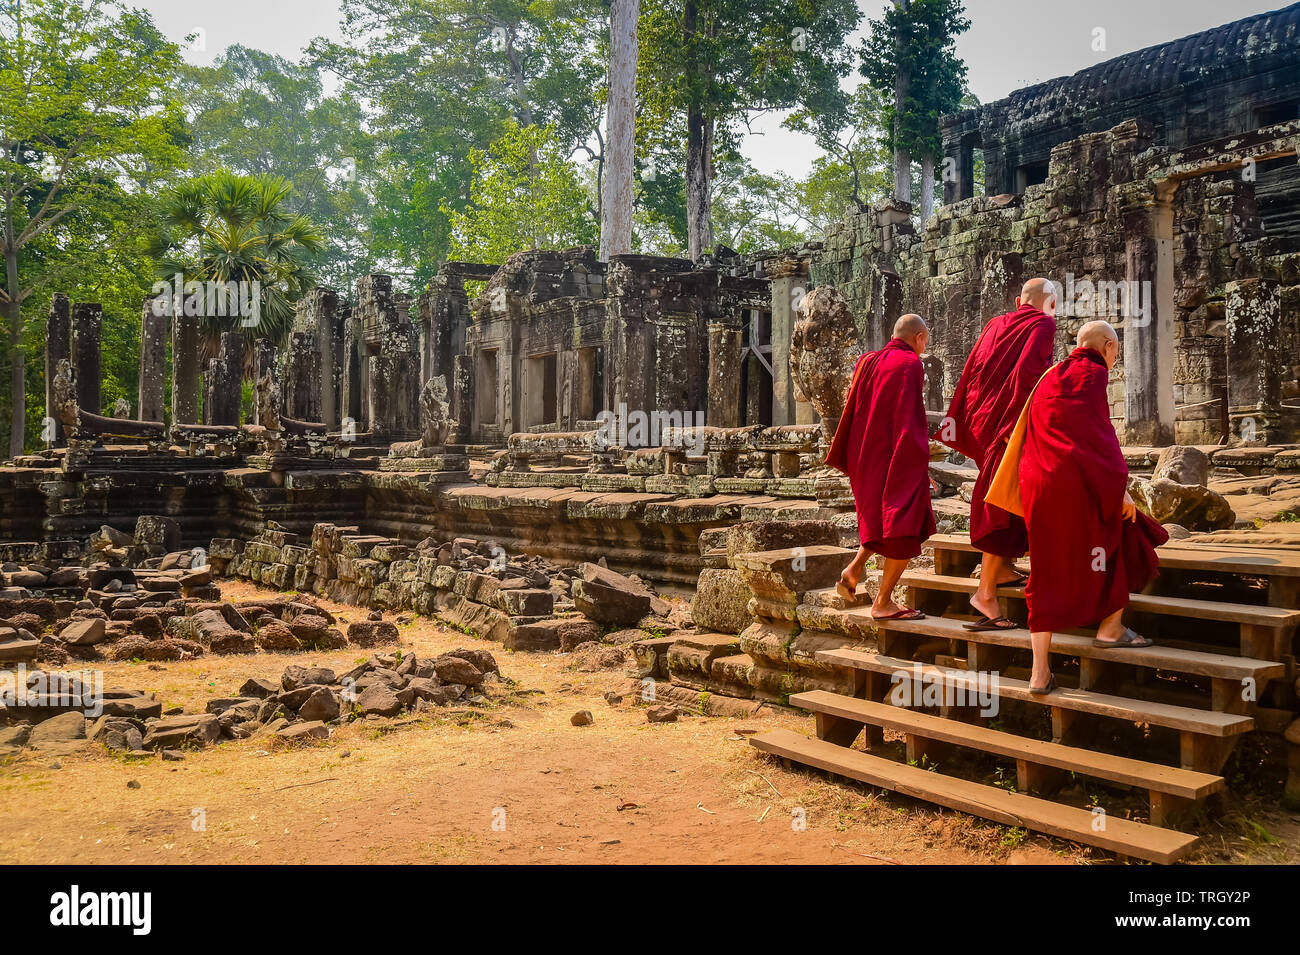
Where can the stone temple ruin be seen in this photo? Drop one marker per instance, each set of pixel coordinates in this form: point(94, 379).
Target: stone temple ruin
point(469, 451)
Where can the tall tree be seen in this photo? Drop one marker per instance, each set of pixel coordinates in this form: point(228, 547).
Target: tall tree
point(443, 78)
point(87, 128)
point(719, 63)
point(525, 194)
point(910, 53)
point(224, 227)
point(855, 170)
point(620, 123)
point(259, 114)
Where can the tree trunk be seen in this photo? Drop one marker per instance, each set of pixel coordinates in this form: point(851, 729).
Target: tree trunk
point(902, 158)
point(620, 123)
point(699, 172)
point(17, 365)
point(927, 188)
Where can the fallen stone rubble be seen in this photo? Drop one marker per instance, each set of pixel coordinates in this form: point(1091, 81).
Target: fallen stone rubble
point(523, 602)
point(307, 703)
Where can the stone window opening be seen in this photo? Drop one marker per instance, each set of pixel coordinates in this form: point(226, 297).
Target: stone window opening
point(1030, 174)
point(487, 386)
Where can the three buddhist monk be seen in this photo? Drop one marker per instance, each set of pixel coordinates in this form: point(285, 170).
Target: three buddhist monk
point(1009, 357)
point(882, 443)
point(1089, 545)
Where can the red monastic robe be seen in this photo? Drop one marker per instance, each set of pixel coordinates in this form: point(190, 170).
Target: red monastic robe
point(883, 445)
point(1085, 558)
point(1010, 356)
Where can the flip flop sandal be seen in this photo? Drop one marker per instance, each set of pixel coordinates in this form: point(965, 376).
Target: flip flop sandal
point(1044, 690)
point(991, 623)
point(907, 613)
point(841, 587)
point(1129, 639)
point(1019, 582)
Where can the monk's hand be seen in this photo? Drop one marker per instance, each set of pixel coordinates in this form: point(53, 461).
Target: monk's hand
point(1129, 508)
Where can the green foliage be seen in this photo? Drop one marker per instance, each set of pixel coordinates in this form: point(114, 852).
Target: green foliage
point(89, 128)
point(442, 78)
point(524, 194)
point(225, 227)
point(918, 40)
point(259, 114)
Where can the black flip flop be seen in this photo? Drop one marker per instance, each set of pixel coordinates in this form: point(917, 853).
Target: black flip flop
point(1129, 639)
point(1044, 690)
point(991, 623)
point(1016, 584)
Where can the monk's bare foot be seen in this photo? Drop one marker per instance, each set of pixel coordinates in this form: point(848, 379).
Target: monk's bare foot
point(887, 608)
point(847, 587)
point(987, 606)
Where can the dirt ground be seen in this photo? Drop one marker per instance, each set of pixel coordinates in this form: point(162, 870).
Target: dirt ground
point(513, 781)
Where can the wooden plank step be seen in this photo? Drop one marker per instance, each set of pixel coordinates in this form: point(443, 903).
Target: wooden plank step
point(1144, 603)
point(1183, 783)
point(988, 802)
point(1253, 562)
point(1182, 718)
point(1197, 662)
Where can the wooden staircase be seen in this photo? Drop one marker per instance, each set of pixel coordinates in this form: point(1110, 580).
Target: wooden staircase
point(1221, 668)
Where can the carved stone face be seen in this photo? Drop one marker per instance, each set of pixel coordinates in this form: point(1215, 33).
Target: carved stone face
point(823, 350)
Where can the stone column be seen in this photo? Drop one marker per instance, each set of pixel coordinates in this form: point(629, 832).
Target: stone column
point(225, 381)
point(1254, 321)
point(87, 321)
point(789, 277)
point(1148, 332)
point(264, 357)
point(153, 362)
point(58, 346)
point(185, 369)
point(725, 370)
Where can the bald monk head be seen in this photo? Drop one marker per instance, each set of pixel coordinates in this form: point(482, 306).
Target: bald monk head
point(1101, 336)
point(1040, 293)
point(913, 330)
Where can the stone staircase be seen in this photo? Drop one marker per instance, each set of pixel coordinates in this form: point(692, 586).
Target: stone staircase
point(1162, 720)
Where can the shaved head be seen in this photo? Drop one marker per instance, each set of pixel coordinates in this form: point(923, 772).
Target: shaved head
point(909, 326)
point(1096, 335)
point(1036, 292)
point(913, 330)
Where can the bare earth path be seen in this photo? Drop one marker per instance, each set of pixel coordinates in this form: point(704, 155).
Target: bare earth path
point(511, 782)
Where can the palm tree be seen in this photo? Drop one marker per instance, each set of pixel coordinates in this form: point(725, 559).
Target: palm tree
point(225, 227)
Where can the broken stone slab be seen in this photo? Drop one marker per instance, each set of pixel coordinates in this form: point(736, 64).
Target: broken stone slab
point(370, 633)
point(721, 601)
point(690, 656)
point(173, 732)
point(378, 700)
point(556, 633)
point(321, 705)
point(17, 646)
point(84, 633)
point(779, 578)
point(57, 731)
point(313, 729)
point(652, 657)
point(296, 676)
point(607, 597)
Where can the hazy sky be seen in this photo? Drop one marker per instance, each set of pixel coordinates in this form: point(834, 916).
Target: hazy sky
point(1011, 43)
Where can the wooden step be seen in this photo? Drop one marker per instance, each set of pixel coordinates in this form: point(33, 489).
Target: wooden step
point(1253, 614)
point(1181, 718)
point(1197, 662)
point(1183, 556)
point(1123, 836)
point(1183, 783)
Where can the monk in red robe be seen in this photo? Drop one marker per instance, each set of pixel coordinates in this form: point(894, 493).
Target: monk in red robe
point(1010, 356)
point(883, 444)
point(1089, 545)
